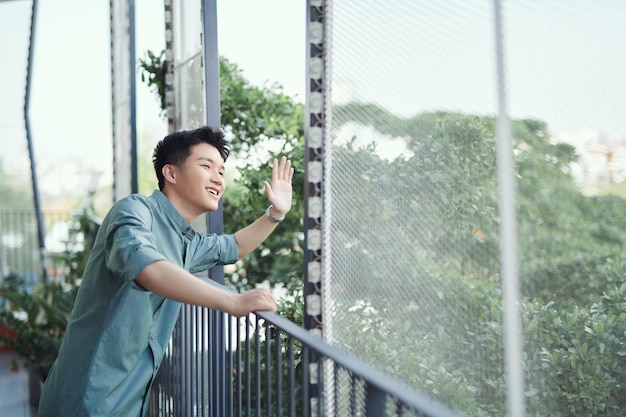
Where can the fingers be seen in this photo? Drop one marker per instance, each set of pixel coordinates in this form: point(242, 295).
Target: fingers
point(282, 170)
point(258, 299)
point(266, 300)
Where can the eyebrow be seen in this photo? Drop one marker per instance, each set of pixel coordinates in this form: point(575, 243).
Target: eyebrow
point(206, 158)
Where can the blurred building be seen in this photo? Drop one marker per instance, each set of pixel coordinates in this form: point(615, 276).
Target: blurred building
point(600, 162)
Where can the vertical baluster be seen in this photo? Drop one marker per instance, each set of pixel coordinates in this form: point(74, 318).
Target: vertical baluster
point(257, 362)
point(374, 401)
point(248, 369)
point(306, 353)
point(268, 373)
point(239, 370)
point(292, 378)
point(279, 372)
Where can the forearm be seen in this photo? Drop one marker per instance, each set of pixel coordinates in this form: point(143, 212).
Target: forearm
point(173, 282)
point(170, 281)
point(250, 237)
point(279, 194)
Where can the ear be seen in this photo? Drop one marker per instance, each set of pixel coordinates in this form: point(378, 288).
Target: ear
point(169, 173)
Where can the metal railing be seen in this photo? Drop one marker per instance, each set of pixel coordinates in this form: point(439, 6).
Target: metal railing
point(19, 244)
point(220, 366)
point(268, 366)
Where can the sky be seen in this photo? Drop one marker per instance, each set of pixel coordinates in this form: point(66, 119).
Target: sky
point(565, 65)
point(563, 58)
point(70, 112)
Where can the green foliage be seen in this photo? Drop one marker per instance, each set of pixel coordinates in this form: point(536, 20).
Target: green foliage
point(570, 244)
point(571, 248)
point(572, 262)
point(153, 70)
point(38, 316)
point(292, 308)
point(576, 358)
point(447, 181)
point(263, 123)
point(261, 352)
point(456, 358)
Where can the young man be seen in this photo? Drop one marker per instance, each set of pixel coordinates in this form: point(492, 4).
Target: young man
point(140, 270)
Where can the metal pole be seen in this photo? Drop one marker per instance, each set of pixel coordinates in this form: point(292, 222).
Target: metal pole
point(134, 183)
point(215, 220)
point(29, 139)
point(316, 211)
point(220, 378)
point(508, 239)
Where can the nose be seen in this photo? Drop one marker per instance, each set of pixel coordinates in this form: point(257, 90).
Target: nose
point(217, 178)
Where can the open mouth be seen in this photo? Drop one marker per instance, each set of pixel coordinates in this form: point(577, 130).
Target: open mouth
point(213, 192)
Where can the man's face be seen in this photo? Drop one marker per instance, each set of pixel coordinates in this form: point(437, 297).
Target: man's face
point(200, 180)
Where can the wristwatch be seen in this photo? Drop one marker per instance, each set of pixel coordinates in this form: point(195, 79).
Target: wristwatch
point(272, 218)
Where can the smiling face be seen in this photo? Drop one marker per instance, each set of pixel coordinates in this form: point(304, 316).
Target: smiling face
point(196, 186)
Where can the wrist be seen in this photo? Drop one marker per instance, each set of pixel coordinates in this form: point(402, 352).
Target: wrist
point(273, 215)
point(233, 305)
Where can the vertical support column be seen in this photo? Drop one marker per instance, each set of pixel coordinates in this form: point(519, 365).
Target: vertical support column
point(134, 183)
point(169, 65)
point(315, 166)
point(219, 381)
point(508, 237)
point(215, 219)
point(123, 98)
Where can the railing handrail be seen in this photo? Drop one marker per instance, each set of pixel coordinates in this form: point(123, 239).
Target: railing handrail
point(384, 382)
point(420, 402)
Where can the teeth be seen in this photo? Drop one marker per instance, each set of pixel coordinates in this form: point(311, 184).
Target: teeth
point(213, 192)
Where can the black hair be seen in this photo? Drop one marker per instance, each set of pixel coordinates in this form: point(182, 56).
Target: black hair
point(175, 148)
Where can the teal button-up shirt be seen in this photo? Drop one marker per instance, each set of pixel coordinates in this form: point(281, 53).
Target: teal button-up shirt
point(118, 331)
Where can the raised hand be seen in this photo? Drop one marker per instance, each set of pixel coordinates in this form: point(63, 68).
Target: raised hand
point(279, 192)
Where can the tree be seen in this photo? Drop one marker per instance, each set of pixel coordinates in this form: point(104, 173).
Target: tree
point(435, 207)
point(571, 249)
point(262, 123)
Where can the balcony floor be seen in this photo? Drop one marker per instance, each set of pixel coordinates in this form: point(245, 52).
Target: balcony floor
point(14, 389)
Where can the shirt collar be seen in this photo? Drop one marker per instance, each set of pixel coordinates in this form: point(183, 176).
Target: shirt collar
point(168, 208)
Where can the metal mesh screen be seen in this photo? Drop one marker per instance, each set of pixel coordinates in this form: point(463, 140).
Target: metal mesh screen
point(408, 213)
point(412, 259)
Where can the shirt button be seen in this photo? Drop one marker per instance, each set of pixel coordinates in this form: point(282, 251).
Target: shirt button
point(152, 337)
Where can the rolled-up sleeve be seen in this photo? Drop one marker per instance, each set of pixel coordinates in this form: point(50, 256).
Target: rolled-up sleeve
point(210, 250)
point(130, 244)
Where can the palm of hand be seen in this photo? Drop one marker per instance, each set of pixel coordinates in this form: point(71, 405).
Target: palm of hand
point(279, 192)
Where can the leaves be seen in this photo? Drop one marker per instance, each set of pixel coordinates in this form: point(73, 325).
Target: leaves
point(571, 247)
point(38, 316)
point(153, 70)
point(263, 124)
